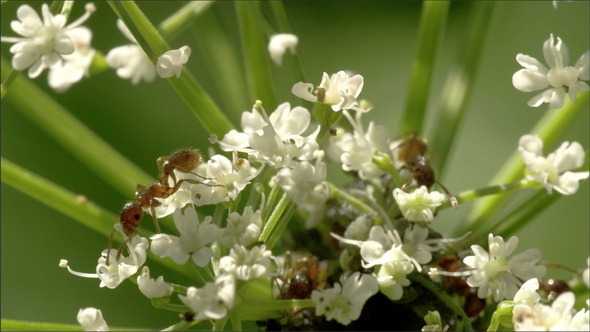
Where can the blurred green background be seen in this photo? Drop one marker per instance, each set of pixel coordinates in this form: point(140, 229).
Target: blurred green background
point(143, 122)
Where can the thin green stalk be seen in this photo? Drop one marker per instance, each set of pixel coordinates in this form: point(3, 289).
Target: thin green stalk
point(73, 135)
point(254, 48)
point(443, 297)
point(273, 219)
point(337, 193)
point(549, 128)
point(164, 303)
point(19, 325)
point(183, 18)
point(433, 22)
point(54, 196)
point(281, 225)
point(186, 86)
point(460, 82)
point(471, 195)
point(223, 62)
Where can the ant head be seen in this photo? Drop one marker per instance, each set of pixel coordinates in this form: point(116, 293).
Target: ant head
point(130, 218)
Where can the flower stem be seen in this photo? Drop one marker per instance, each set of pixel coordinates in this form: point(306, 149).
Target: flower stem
point(73, 135)
point(443, 297)
point(74, 206)
point(270, 227)
point(183, 18)
point(337, 193)
point(185, 86)
point(471, 195)
point(432, 25)
point(163, 303)
point(254, 48)
point(549, 128)
point(460, 82)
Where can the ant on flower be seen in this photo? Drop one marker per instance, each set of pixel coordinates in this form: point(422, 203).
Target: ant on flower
point(184, 160)
point(412, 152)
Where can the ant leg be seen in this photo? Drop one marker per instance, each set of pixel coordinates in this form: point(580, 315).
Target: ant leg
point(452, 198)
point(110, 245)
point(195, 182)
point(120, 251)
point(156, 224)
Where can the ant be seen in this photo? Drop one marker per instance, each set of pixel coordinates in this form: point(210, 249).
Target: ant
point(412, 152)
point(303, 276)
point(184, 160)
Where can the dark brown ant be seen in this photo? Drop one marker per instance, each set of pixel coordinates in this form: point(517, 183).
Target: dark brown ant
point(185, 160)
point(412, 152)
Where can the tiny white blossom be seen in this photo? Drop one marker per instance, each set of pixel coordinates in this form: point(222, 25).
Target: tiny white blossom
point(153, 288)
point(419, 205)
point(494, 273)
point(279, 44)
point(242, 229)
point(277, 139)
point(192, 242)
point(559, 76)
point(130, 60)
point(76, 65)
point(246, 264)
point(340, 91)
point(117, 271)
point(356, 149)
point(530, 314)
point(306, 185)
point(212, 301)
point(91, 320)
point(553, 171)
point(170, 63)
point(44, 41)
point(345, 303)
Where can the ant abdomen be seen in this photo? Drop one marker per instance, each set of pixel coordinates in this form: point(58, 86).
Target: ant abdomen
point(130, 218)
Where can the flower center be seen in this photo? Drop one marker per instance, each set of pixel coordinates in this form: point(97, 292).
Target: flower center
point(495, 267)
point(559, 77)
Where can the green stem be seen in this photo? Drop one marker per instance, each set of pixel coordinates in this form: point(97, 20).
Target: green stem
point(254, 48)
point(337, 193)
point(58, 198)
point(73, 135)
point(281, 225)
point(183, 18)
point(549, 129)
point(186, 86)
point(219, 325)
point(443, 297)
point(270, 305)
point(19, 325)
point(460, 82)
point(163, 303)
point(236, 322)
point(223, 62)
point(432, 25)
point(471, 195)
point(273, 219)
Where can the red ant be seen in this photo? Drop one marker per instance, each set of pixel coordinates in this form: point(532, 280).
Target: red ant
point(412, 152)
point(185, 160)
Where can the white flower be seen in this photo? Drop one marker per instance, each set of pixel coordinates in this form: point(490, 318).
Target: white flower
point(340, 91)
point(192, 242)
point(76, 65)
point(153, 288)
point(112, 275)
point(306, 185)
point(417, 245)
point(212, 301)
point(559, 76)
point(357, 149)
point(278, 45)
point(345, 303)
point(419, 205)
point(246, 264)
point(170, 63)
point(130, 60)
point(276, 140)
point(495, 274)
point(44, 41)
point(242, 229)
point(529, 314)
point(553, 172)
point(91, 320)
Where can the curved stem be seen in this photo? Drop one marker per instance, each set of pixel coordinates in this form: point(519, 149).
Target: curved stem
point(443, 297)
point(338, 193)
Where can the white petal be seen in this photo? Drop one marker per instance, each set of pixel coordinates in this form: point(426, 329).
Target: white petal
point(583, 66)
point(527, 80)
point(304, 91)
